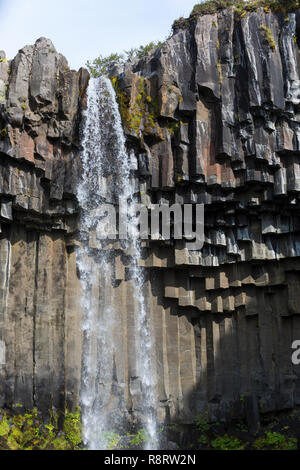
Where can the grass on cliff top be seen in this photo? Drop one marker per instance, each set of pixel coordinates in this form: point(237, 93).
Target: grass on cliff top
point(213, 6)
point(102, 64)
point(210, 7)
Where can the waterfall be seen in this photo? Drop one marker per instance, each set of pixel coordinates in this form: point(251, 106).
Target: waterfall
point(107, 176)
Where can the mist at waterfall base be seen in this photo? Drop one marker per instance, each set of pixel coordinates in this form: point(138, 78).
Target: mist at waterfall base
point(106, 177)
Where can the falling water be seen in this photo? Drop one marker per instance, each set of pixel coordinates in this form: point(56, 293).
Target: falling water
point(106, 177)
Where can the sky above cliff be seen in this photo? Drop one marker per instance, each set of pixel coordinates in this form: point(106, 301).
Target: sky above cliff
point(82, 29)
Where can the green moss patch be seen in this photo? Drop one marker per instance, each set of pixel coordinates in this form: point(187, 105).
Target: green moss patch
point(268, 36)
point(140, 115)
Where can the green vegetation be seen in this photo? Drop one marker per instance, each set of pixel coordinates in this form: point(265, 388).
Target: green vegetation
point(4, 426)
point(203, 440)
point(28, 432)
point(180, 23)
point(241, 7)
point(268, 36)
point(3, 133)
point(110, 439)
point(201, 422)
point(113, 441)
point(278, 433)
point(171, 126)
point(139, 439)
point(275, 441)
point(227, 443)
point(142, 51)
point(101, 65)
point(72, 428)
point(213, 6)
point(142, 112)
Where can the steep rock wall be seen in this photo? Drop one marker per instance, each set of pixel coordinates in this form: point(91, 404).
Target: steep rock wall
point(213, 116)
point(39, 163)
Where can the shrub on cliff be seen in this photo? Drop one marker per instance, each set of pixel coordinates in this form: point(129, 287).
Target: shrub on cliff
point(213, 6)
point(27, 431)
point(102, 64)
point(275, 441)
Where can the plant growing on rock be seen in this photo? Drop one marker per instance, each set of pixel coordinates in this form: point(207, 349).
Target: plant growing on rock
point(142, 112)
point(111, 439)
point(268, 36)
point(72, 428)
point(227, 443)
point(28, 431)
point(201, 422)
point(210, 7)
point(213, 6)
point(275, 441)
point(143, 51)
point(102, 64)
point(3, 133)
point(140, 438)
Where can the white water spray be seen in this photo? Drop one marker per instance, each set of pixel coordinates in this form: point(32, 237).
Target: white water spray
point(107, 177)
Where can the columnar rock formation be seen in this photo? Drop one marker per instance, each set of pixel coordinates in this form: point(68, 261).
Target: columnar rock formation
point(214, 114)
point(39, 326)
point(212, 117)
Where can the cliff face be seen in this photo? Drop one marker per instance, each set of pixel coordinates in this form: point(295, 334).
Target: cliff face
point(212, 117)
point(39, 116)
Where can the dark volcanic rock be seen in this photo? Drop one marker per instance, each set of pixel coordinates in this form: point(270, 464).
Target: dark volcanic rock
point(225, 132)
point(40, 103)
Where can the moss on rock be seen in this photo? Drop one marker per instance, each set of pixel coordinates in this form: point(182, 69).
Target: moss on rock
point(27, 431)
point(139, 112)
point(268, 36)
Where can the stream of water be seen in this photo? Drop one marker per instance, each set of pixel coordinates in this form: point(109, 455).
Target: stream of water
point(107, 176)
